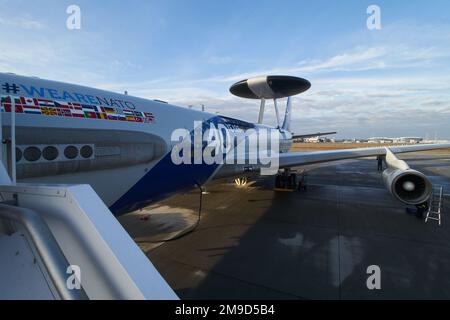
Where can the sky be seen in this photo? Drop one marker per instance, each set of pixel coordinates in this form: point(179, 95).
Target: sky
point(389, 82)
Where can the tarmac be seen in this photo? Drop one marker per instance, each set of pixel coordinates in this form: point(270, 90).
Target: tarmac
point(255, 243)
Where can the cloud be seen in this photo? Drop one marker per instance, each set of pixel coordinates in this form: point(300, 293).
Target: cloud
point(397, 84)
point(377, 104)
point(30, 48)
point(25, 22)
point(357, 60)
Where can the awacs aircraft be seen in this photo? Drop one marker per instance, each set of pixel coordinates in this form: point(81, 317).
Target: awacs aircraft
point(124, 146)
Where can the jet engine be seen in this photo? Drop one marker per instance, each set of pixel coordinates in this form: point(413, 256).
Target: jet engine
point(409, 186)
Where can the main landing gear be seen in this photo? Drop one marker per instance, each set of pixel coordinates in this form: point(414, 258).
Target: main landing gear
point(288, 181)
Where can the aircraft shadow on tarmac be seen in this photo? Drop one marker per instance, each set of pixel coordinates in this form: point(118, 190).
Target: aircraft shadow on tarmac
point(318, 244)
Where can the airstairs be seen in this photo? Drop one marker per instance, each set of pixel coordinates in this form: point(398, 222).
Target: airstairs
point(62, 242)
point(435, 207)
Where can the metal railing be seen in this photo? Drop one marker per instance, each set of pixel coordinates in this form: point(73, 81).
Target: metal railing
point(12, 169)
point(47, 248)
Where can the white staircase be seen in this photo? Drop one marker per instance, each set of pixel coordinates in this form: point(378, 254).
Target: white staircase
point(62, 242)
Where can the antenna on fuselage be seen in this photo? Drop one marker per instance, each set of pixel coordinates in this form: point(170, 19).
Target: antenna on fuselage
point(271, 87)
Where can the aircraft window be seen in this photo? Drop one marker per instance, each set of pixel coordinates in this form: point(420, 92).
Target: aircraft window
point(237, 124)
point(71, 152)
point(32, 154)
point(50, 153)
point(86, 152)
point(18, 154)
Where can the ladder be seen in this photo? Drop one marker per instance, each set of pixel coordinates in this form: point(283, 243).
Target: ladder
point(435, 209)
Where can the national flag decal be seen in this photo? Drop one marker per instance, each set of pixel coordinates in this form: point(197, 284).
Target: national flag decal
point(74, 110)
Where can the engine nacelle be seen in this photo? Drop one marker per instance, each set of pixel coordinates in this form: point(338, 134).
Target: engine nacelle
point(409, 186)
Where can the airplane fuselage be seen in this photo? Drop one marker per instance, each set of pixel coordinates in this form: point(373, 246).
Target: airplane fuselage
point(120, 145)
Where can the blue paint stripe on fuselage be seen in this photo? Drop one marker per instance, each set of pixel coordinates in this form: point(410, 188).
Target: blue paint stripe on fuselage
point(165, 179)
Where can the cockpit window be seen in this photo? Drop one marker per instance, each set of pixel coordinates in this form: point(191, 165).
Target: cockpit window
point(237, 124)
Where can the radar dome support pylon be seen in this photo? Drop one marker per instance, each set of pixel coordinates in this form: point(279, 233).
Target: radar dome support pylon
point(277, 113)
point(261, 111)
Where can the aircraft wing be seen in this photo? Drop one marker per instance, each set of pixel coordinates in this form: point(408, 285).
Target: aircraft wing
point(312, 135)
point(294, 159)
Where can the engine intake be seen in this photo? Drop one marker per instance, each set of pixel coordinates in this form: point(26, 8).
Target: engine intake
point(409, 186)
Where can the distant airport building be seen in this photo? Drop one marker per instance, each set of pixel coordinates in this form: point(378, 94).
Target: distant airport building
point(409, 140)
point(318, 137)
point(380, 140)
point(383, 140)
point(318, 140)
